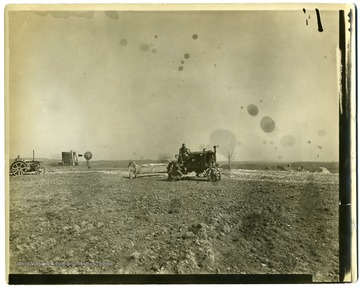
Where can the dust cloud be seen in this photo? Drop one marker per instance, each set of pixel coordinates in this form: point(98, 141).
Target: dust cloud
point(322, 132)
point(144, 47)
point(287, 140)
point(123, 42)
point(224, 138)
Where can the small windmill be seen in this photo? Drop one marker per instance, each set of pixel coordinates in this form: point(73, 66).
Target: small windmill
point(88, 156)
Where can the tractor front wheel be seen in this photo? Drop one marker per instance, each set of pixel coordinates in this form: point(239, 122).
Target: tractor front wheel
point(214, 174)
point(40, 170)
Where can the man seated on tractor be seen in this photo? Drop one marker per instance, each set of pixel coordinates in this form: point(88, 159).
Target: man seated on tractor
point(183, 154)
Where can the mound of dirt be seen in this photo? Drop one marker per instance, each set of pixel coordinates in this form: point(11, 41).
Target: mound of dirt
point(324, 170)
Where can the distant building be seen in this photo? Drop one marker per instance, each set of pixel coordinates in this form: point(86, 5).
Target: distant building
point(70, 158)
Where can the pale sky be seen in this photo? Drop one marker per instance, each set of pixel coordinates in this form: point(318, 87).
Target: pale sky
point(131, 85)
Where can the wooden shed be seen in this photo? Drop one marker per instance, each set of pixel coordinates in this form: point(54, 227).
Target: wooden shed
point(70, 158)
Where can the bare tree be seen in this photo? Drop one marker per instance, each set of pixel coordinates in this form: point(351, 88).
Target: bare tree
point(226, 141)
point(229, 155)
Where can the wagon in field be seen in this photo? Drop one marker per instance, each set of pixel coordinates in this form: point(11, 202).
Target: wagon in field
point(135, 169)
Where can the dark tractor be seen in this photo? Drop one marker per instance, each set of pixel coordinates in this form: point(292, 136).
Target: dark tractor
point(22, 167)
point(203, 163)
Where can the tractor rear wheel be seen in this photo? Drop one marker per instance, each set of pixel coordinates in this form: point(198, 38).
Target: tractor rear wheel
point(18, 168)
point(174, 171)
point(40, 169)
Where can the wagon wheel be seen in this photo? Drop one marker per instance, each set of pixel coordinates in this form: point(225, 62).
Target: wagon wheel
point(132, 170)
point(18, 168)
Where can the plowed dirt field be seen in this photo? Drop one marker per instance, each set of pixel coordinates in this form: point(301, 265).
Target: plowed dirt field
point(100, 221)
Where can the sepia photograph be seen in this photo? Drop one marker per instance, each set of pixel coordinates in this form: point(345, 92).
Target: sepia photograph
point(168, 143)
